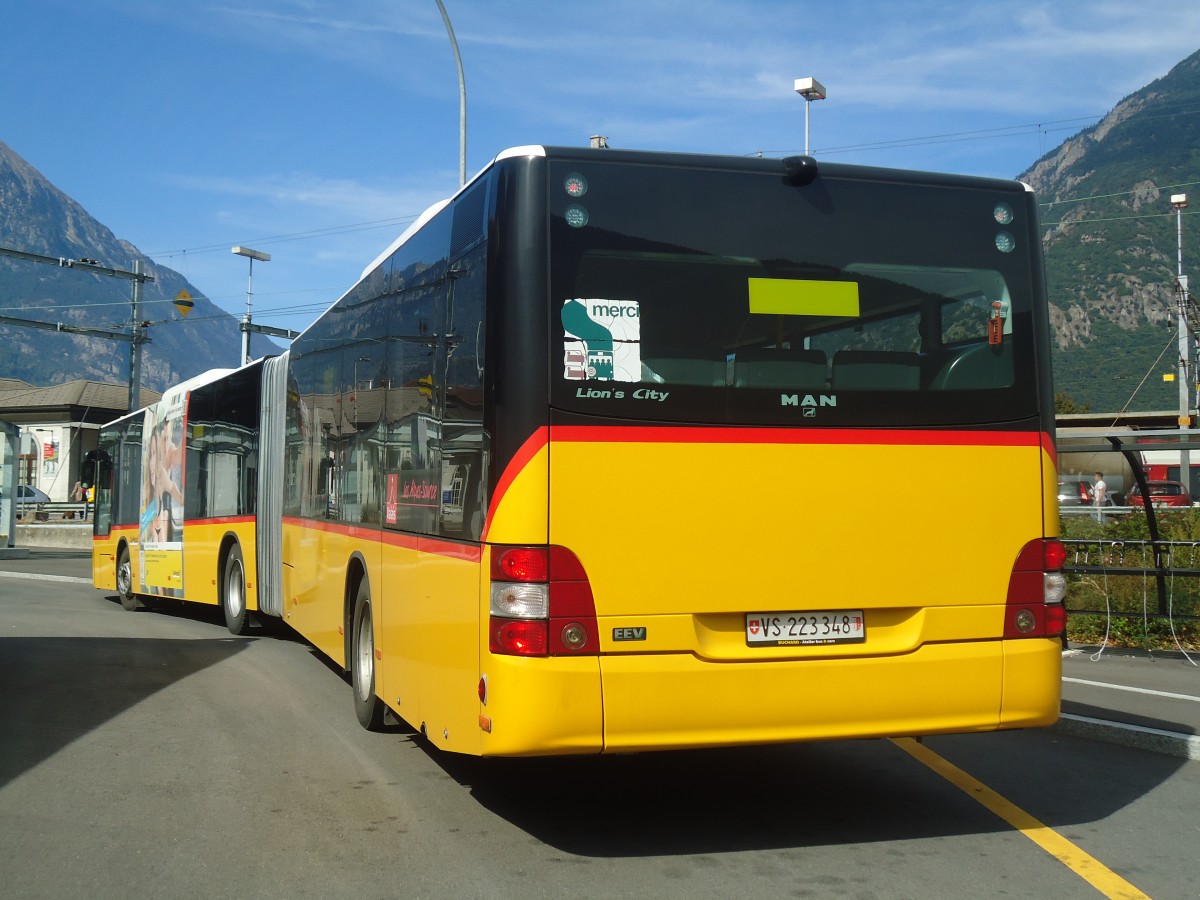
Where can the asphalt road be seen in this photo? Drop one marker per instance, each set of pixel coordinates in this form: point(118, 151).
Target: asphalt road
point(152, 754)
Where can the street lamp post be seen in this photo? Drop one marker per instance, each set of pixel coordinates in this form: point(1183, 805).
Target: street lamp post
point(1179, 204)
point(252, 255)
point(462, 99)
point(810, 89)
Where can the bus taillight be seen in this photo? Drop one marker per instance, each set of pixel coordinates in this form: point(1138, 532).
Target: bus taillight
point(541, 603)
point(1036, 590)
point(519, 637)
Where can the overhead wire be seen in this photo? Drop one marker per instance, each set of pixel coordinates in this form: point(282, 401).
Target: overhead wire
point(289, 237)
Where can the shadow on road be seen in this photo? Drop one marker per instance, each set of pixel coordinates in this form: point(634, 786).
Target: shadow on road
point(57, 689)
point(797, 795)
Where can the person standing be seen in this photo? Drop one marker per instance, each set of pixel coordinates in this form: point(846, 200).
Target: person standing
point(76, 497)
point(1100, 496)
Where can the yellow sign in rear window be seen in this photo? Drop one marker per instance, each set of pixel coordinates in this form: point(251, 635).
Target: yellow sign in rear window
point(793, 297)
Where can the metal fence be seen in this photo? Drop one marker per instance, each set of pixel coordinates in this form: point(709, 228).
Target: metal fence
point(1144, 577)
point(53, 511)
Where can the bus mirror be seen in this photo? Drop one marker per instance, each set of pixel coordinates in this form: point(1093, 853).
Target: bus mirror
point(799, 170)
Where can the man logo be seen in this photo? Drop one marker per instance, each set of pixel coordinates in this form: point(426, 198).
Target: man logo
point(808, 401)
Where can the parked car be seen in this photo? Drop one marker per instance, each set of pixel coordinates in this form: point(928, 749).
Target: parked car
point(27, 496)
point(27, 493)
point(1162, 493)
point(1075, 491)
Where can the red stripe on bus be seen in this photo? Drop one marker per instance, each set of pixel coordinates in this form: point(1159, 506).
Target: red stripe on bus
point(659, 434)
point(706, 434)
point(420, 542)
point(527, 451)
point(425, 544)
point(222, 520)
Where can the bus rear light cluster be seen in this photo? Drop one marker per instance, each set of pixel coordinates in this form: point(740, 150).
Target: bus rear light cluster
point(541, 603)
point(1036, 590)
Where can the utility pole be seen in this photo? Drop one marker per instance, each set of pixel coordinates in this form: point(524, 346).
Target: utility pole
point(137, 338)
point(1179, 204)
point(137, 335)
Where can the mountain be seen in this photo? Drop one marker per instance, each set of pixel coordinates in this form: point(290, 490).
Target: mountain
point(38, 218)
point(1110, 240)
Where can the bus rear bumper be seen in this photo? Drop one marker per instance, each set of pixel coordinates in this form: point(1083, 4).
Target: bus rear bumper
point(645, 702)
point(657, 702)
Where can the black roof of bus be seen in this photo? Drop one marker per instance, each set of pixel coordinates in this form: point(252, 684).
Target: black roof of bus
point(774, 165)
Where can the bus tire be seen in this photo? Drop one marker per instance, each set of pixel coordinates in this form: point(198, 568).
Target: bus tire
point(368, 707)
point(233, 592)
point(129, 599)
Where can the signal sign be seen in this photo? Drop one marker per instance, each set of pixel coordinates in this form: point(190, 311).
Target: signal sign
point(183, 302)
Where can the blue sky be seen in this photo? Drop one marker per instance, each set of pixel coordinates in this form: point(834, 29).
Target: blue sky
point(316, 130)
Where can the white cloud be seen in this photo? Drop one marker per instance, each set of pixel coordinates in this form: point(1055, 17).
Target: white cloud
point(320, 196)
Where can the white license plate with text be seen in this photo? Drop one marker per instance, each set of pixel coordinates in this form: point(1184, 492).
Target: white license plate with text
point(823, 626)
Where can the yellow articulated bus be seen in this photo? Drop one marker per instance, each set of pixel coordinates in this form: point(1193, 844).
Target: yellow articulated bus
point(621, 451)
point(176, 496)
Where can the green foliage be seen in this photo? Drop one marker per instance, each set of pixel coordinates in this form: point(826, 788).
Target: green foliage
point(1134, 632)
point(1064, 404)
point(1108, 373)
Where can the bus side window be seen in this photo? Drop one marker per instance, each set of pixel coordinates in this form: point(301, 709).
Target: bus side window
point(461, 481)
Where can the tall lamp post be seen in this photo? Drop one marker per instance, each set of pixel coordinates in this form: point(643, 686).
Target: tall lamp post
point(810, 89)
point(252, 255)
point(462, 99)
point(1179, 204)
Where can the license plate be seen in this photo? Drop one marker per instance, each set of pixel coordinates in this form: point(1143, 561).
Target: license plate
point(822, 626)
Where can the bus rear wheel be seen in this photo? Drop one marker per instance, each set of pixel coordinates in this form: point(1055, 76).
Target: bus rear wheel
point(129, 599)
point(368, 707)
point(233, 592)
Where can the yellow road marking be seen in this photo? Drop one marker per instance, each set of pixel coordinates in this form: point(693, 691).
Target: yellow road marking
point(1087, 867)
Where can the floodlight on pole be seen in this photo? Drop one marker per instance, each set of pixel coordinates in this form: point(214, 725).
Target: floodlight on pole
point(252, 255)
point(810, 89)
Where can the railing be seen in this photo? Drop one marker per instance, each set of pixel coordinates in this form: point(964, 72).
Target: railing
point(1133, 576)
point(54, 512)
point(1075, 512)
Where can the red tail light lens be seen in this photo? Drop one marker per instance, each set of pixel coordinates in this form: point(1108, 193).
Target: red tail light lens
point(1036, 590)
point(520, 637)
point(1056, 619)
point(541, 603)
point(521, 564)
point(1055, 554)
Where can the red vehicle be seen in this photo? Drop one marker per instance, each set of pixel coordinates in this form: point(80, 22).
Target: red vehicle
point(1162, 493)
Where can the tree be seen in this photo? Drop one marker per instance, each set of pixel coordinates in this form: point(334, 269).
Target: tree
point(1064, 404)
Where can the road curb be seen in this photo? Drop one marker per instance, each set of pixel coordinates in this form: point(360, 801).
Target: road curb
point(1168, 743)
